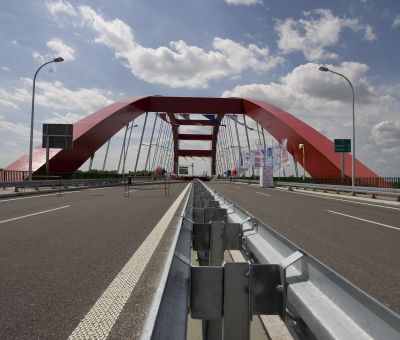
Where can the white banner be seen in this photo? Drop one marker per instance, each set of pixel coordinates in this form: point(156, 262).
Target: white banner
point(284, 153)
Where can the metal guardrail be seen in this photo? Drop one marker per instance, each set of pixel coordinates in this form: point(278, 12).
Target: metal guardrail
point(373, 191)
point(343, 188)
point(68, 183)
point(329, 305)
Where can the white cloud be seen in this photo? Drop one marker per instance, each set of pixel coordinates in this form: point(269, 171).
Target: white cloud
point(56, 96)
point(68, 118)
point(396, 21)
point(11, 99)
point(60, 7)
point(179, 64)
point(5, 68)
point(307, 87)
point(61, 49)
point(17, 129)
point(244, 2)
point(387, 133)
point(14, 42)
point(315, 32)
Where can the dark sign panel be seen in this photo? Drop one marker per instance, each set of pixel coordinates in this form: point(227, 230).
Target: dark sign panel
point(58, 136)
point(342, 145)
point(183, 170)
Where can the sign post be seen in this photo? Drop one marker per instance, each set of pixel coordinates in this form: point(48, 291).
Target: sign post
point(342, 146)
point(58, 136)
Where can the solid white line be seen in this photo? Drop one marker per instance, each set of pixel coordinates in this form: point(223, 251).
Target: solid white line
point(97, 189)
point(263, 193)
point(100, 319)
point(237, 187)
point(363, 219)
point(338, 199)
point(34, 214)
point(38, 196)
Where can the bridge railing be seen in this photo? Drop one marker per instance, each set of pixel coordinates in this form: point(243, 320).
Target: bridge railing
point(309, 292)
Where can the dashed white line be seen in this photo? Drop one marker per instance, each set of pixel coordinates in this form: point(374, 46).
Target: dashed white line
point(263, 193)
point(363, 219)
point(237, 187)
point(100, 319)
point(34, 214)
point(97, 189)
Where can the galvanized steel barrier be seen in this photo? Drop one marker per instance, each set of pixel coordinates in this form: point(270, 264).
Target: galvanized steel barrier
point(279, 278)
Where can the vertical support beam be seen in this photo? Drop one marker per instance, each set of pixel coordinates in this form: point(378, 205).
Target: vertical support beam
point(140, 145)
point(91, 162)
point(162, 143)
point(236, 305)
point(239, 147)
point(296, 171)
point(248, 141)
point(151, 142)
point(160, 130)
point(228, 123)
point(105, 156)
point(259, 135)
point(47, 155)
point(123, 146)
point(126, 149)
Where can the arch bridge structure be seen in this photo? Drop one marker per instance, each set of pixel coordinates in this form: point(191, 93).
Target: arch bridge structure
point(93, 131)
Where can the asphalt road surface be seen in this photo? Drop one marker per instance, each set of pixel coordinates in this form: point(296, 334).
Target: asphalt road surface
point(360, 240)
point(58, 254)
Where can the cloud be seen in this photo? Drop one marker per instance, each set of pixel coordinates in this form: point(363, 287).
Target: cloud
point(56, 96)
point(386, 133)
point(306, 87)
point(244, 2)
point(178, 64)
point(11, 99)
point(315, 32)
point(61, 49)
point(68, 118)
point(15, 128)
point(5, 68)
point(60, 7)
point(396, 21)
point(14, 42)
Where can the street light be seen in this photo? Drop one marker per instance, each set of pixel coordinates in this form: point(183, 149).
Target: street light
point(353, 161)
point(55, 60)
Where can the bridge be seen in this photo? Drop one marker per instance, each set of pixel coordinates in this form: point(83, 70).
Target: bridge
point(173, 259)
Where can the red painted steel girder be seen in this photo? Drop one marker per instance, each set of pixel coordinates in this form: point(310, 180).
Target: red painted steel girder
point(200, 122)
point(91, 132)
point(186, 136)
point(195, 153)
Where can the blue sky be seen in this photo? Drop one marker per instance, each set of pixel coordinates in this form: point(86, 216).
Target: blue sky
point(265, 49)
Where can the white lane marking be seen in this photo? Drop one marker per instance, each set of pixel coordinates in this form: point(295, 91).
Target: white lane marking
point(237, 187)
point(97, 189)
point(363, 219)
point(38, 196)
point(338, 199)
point(100, 319)
point(263, 193)
point(34, 214)
point(132, 190)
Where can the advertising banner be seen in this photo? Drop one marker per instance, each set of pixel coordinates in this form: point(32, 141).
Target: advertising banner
point(266, 177)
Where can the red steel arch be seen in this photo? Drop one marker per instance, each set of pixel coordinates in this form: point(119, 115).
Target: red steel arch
point(91, 132)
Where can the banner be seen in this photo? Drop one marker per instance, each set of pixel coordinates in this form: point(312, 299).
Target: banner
point(284, 153)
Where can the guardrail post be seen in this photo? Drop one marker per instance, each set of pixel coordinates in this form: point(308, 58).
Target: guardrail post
point(236, 304)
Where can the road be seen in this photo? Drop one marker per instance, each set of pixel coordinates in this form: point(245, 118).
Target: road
point(60, 253)
point(359, 240)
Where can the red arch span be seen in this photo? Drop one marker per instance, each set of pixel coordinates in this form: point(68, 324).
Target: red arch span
point(91, 132)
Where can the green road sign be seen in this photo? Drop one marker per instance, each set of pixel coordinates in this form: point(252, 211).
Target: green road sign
point(342, 145)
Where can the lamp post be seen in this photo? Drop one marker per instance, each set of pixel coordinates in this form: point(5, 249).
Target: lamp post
point(55, 60)
point(353, 161)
